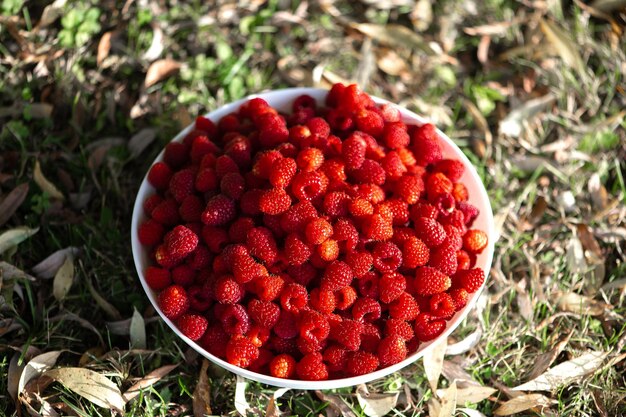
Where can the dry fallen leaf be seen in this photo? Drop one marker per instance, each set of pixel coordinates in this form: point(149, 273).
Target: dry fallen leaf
point(160, 70)
point(513, 124)
point(580, 304)
point(598, 193)
point(73, 317)
point(45, 185)
point(140, 141)
point(522, 403)
point(104, 47)
point(156, 47)
point(8, 271)
point(241, 404)
point(576, 256)
point(336, 403)
point(108, 308)
point(470, 412)
point(37, 366)
point(433, 362)
point(51, 13)
point(12, 202)
point(448, 402)
point(137, 331)
point(148, 381)
point(63, 279)
point(543, 361)
point(394, 36)
point(470, 395)
point(202, 393)
point(49, 266)
point(564, 46)
point(14, 237)
point(272, 407)
point(90, 385)
point(565, 372)
point(454, 372)
point(391, 63)
point(376, 404)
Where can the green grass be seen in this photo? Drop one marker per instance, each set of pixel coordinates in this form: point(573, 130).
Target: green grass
point(229, 53)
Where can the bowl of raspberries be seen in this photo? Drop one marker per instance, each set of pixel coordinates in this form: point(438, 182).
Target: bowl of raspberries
point(312, 239)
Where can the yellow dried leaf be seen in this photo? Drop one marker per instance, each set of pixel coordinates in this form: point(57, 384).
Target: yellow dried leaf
point(160, 70)
point(45, 185)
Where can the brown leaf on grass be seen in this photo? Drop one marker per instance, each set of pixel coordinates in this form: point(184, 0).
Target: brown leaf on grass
point(608, 6)
point(448, 402)
point(137, 331)
point(140, 141)
point(63, 279)
point(8, 326)
point(481, 123)
point(46, 185)
point(575, 256)
point(522, 403)
point(396, 36)
point(543, 361)
point(36, 367)
point(8, 271)
point(433, 362)
point(108, 308)
point(12, 202)
point(422, 15)
point(51, 13)
point(272, 407)
point(597, 192)
point(513, 124)
point(376, 404)
point(90, 385)
point(90, 355)
point(588, 240)
point(160, 70)
point(564, 46)
point(336, 403)
point(39, 110)
point(454, 372)
point(104, 47)
point(48, 267)
point(565, 373)
point(391, 63)
point(470, 395)
point(202, 393)
point(580, 304)
point(16, 368)
point(148, 381)
point(14, 237)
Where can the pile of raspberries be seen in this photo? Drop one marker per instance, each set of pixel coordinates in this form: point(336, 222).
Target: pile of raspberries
point(325, 243)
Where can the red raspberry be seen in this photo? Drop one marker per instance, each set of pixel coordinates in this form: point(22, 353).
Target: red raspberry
point(302, 274)
point(368, 285)
point(353, 150)
point(337, 276)
point(206, 125)
point(371, 192)
point(469, 211)
point(463, 260)
point(437, 184)
point(429, 231)
point(219, 211)
point(454, 237)
point(311, 368)
point(182, 184)
point(301, 136)
point(176, 154)
point(173, 301)
point(298, 215)
point(309, 345)
point(459, 298)
point(296, 251)
point(165, 259)
point(339, 120)
point(451, 168)
point(336, 203)
point(263, 313)
point(310, 159)
point(319, 128)
point(387, 257)
point(288, 346)
point(200, 147)
point(359, 262)
point(303, 102)
point(166, 212)
point(370, 338)
point(239, 229)
point(322, 301)
point(272, 130)
point(228, 123)
point(268, 287)
point(313, 326)
point(444, 259)
point(183, 275)
point(261, 244)
point(309, 185)
point(425, 144)
point(227, 291)
point(334, 170)
point(261, 364)
point(286, 327)
point(428, 327)
point(399, 209)
point(370, 122)
point(215, 340)
point(423, 209)
point(429, 281)
point(345, 297)
point(250, 202)
point(191, 208)
point(393, 166)
point(391, 286)
point(151, 202)
point(346, 235)
point(157, 278)
point(328, 250)
point(475, 241)
point(282, 172)
point(246, 269)
point(347, 333)
point(395, 136)
point(215, 238)
point(469, 279)
point(294, 297)
point(274, 201)
point(150, 233)
point(361, 363)
point(283, 366)
point(200, 299)
point(391, 350)
point(414, 253)
point(181, 241)
point(241, 352)
point(400, 328)
point(409, 188)
point(366, 309)
point(206, 180)
point(318, 230)
point(335, 358)
point(390, 113)
point(376, 227)
point(370, 172)
point(159, 175)
point(239, 149)
point(192, 325)
point(360, 207)
point(233, 185)
point(404, 307)
point(460, 192)
point(265, 163)
point(442, 305)
point(235, 319)
point(401, 235)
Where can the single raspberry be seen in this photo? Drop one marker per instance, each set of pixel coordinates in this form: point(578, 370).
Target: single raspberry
point(370, 338)
point(340, 120)
point(239, 229)
point(310, 159)
point(436, 185)
point(387, 257)
point(371, 192)
point(288, 346)
point(176, 155)
point(182, 184)
point(400, 236)
point(469, 279)
point(239, 149)
point(183, 275)
point(235, 319)
point(404, 307)
point(393, 166)
point(150, 232)
point(200, 298)
point(258, 335)
point(470, 212)
point(475, 241)
point(261, 364)
point(159, 175)
point(370, 122)
point(206, 180)
point(241, 352)
point(429, 281)
point(366, 309)
point(272, 222)
point(409, 188)
point(423, 209)
point(444, 259)
point(180, 241)
point(191, 208)
point(206, 125)
point(219, 211)
point(442, 305)
point(192, 325)
point(336, 203)
point(246, 269)
point(200, 258)
point(328, 250)
point(302, 274)
point(391, 350)
point(274, 201)
point(390, 113)
point(215, 340)
point(425, 144)
point(151, 202)
point(313, 326)
point(451, 168)
point(353, 150)
point(360, 207)
point(166, 259)
point(263, 313)
point(311, 368)
point(265, 162)
point(272, 130)
point(370, 172)
point(261, 244)
point(400, 328)
point(166, 212)
point(286, 327)
point(298, 215)
point(414, 253)
point(337, 276)
point(391, 286)
point(368, 285)
point(294, 297)
point(334, 169)
point(157, 278)
point(335, 358)
point(376, 227)
point(228, 123)
point(224, 164)
point(268, 287)
point(300, 135)
point(282, 172)
point(296, 251)
point(399, 209)
point(345, 298)
point(173, 301)
point(345, 234)
point(233, 185)
point(215, 238)
point(463, 260)
point(359, 262)
point(460, 192)
point(227, 291)
point(459, 296)
point(361, 363)
point(428, 327)
point(309, 185)
point(318, 230)
point(395, 136)
point(454, 238)
point(322, 301)
point(347, 333)
point(201, 146)
point(283, 366)
point(429, 231)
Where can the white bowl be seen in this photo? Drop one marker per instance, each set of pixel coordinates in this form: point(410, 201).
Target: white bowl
point(281, 100)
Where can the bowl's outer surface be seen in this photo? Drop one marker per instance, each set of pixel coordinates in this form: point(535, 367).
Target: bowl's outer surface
point(281, 100)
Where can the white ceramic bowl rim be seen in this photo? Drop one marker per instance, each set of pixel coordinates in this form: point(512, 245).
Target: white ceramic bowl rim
point(279, 99)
